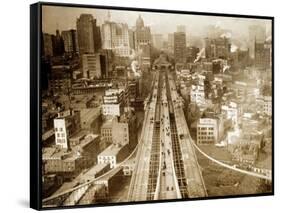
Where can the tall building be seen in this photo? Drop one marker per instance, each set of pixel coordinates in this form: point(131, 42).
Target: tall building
point(257, 33)
point(115, 37)
point(70, 41)
point(197, 95)
point(207, 131)
point(88, 34)
point(143, 42)
point(217, 47)
point(94, 65)
point(66, 124)
point(60, 78)
point(157, 40)
point(113, 102)
point(47, 45)
point(263, 55)
point(132, 39)
point(57, 42)
point(180, 47)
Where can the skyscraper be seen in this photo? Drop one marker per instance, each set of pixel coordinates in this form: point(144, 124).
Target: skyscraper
point(92, 66)
point(143, 42)
point(47, 45)
point(143, 34)
point(115, 36)
point(70, 41)
point(217, 47)
point(180, 47)
point(57, 42)
point(263, 55)
point(88, 34)
point(257, 33)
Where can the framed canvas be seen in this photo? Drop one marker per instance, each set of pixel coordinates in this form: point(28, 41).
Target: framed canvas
point(134, 105)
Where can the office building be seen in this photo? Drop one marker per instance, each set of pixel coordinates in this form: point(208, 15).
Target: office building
point(263, 55)
point(58, 45)
point(257, 34)
point(115, 37)
point(65, 125)
point(197, 95)
point(47, 45)
point(70, 41)
point(143, 42)
point(207, 131)
point(88, 34)
point(70, 163)
point(113, 102)
point(112, 155)
point(60, 78)
point(180, 47)
point(94, 65)
point(217, 48)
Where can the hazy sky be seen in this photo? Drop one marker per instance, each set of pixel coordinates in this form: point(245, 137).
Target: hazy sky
point(63, 18)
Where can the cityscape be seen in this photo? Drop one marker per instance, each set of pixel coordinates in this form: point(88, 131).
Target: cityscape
point(146, 106)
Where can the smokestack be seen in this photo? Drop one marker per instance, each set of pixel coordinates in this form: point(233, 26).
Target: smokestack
point(199, 55)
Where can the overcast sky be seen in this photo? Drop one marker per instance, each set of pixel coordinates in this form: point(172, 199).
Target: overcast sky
point(63, 18)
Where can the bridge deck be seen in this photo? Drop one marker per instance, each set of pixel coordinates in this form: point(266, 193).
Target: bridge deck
point(195, 182)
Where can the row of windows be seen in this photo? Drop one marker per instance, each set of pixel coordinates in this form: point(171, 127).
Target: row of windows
point(205, 128)
point(106, 157)
point(105, 134)
point(61, 140)
point(58, 129)
point(205, 138)
point(205, 133)
point(60, 135)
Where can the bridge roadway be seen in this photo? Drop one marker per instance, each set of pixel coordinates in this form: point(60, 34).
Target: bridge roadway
point(194, 179)
point(155, 176)
point(169, 186)
point(140, 177)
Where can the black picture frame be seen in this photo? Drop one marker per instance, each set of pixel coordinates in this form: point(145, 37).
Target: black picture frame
point(35, 101)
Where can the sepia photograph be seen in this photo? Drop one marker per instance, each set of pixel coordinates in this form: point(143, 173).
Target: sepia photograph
point(142, 105)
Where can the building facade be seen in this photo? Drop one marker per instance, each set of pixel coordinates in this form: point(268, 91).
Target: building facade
point(180, 47)
point(143, 43)
point(47, 45)
point(65, 125)
point(207, 131)
point(88, 34)
point(94, 65)
point(113, 102)
point(257, 33)
point(262, 55)
point(115, 37)
point(70, 41)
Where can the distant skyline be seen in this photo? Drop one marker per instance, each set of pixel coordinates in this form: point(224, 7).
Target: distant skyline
point(64, 18)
